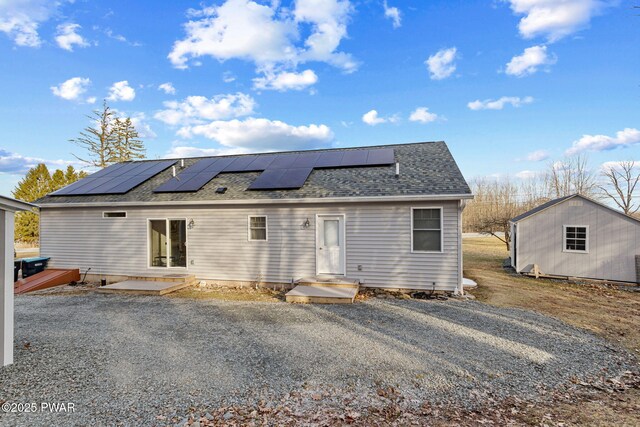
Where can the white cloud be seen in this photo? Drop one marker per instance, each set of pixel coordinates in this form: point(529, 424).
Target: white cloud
point(538, 156)
point(286, 80)
point(182, 151)
point(67, 36)
point(167, 88)
point(121, 91)
point(371, 118)
point(73, 89)
point(17, 164)
point(423, 115)
point(258, 134)
point(143, 127)
point(617, 165)
point(441, 64)
point(499, 104)
point(528, 63)
point(267, 34)
point(624, 138)
point(228, 77)
point(526, 174)
point(392, 13)
point(200, 109)
point(20, 20)
point(555, 19)
point(119, 37)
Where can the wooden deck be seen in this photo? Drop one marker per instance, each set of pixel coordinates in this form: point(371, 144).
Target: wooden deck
point(149, 285)
point(317, 290)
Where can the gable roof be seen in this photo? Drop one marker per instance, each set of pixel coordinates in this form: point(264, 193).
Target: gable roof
point(559, 200)
point(426, 169)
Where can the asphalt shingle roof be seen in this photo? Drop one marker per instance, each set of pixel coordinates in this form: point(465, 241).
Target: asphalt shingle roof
point(541, 208)
point(426, 168)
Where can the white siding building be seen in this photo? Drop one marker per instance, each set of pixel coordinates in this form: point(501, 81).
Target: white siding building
point(396, 225)
point(576, 237)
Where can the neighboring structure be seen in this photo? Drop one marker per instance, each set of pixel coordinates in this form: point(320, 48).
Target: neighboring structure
point(386, 216)
point(575, 236)
point(8, 208)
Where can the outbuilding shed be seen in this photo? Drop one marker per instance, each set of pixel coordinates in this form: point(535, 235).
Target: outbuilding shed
point(575, 236)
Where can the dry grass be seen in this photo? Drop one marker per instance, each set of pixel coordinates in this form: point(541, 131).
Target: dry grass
point(226, 293)
point(613, 314)
point(610, 313)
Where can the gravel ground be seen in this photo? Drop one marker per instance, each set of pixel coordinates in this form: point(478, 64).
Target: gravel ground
point(133, 360)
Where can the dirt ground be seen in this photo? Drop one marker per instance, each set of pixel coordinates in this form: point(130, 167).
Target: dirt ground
point(608, 312)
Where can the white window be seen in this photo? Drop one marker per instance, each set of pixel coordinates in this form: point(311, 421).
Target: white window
point(114, 214)
point(576, 238)
point(426, 229)
point(257, 228)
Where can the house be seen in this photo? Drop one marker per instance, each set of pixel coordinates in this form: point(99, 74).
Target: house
point(8, 208)
point(575, 236)
point(387, 216)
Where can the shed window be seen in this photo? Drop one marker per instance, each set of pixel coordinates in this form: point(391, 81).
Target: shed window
point(576, 238)
point(114, 214)
point(257, 228)
point(426, 230)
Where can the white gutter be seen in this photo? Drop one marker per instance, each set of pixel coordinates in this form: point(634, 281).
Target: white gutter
point(419, 198)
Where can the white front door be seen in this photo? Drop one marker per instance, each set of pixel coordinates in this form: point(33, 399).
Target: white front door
point(330, 245)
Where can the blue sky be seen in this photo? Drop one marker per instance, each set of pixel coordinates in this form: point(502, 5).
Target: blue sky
point(510, 85)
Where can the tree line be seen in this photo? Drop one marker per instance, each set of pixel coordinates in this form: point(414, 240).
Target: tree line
point(498, 200)
point(108, 139)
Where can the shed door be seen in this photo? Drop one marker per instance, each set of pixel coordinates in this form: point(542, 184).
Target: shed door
point(330, 245)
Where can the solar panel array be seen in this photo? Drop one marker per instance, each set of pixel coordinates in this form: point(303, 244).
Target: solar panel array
point(280, 171)
point(116, 179)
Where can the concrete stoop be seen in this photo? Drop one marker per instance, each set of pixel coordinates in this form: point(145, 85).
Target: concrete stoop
point(150, 285)
point(323, 291)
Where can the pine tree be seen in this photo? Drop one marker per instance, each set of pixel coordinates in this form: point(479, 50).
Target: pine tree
point(98, 140)
point(37, 183)
point(128, 145)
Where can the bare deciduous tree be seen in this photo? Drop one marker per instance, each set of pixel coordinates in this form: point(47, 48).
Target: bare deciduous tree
point(570, 176)
point(622, 180)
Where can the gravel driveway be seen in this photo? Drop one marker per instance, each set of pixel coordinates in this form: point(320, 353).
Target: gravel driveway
point(131, 360)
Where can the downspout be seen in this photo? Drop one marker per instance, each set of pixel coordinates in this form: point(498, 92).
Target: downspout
point(461, 205)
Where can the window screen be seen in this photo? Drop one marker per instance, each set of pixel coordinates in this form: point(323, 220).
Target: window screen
point(427, 230)
point(575, 238)
point(257, 228)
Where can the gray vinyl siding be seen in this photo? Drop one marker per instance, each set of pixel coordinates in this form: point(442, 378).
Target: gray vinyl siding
point(614, 240)
point(378, 237)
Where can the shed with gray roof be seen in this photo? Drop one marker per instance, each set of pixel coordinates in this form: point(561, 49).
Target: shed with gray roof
point(387, 216)
point(575, 236)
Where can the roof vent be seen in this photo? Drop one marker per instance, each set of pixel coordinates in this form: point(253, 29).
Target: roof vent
point(397, 169)
point(221, 190)
point(181, 163)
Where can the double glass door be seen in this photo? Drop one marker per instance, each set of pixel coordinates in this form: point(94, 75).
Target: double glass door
point(167, 243)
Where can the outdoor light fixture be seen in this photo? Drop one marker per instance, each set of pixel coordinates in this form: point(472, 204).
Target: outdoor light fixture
point(306, 223)
point(191, 224)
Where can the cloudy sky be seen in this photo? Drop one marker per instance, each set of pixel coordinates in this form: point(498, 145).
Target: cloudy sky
point(509, 84)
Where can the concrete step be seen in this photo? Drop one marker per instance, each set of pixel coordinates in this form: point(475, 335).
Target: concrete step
point(322, 294)
point(340, 282)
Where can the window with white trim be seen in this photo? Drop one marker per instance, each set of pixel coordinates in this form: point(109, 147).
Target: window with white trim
point(114, 214)
point(258, 227)
point(576, 238)
point(426, 230)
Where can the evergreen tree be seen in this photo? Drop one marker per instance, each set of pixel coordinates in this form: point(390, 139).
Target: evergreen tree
point(37, 183)
point(128, 145)
point(99, 140)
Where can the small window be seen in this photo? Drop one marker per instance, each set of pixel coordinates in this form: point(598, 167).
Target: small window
point(257, 228)
point(576, 238)
point(114, 214)
point(427, 230)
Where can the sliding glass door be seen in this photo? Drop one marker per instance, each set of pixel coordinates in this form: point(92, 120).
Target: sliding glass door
point(167, 243)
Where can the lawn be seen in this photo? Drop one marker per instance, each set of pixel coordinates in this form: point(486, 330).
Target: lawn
point(610, 313)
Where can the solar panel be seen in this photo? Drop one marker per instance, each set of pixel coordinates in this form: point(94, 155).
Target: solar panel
point(330, 159)
point(116, 179)
point(354, 158)
point(381, 156)
point(281, 179)
point(240, 164)
point(279, 171)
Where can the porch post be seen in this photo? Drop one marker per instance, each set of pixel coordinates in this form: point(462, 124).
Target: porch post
point(6, 285)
